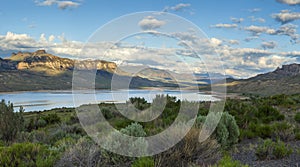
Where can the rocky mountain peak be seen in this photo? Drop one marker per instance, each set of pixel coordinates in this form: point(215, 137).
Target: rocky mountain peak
point(289, 70)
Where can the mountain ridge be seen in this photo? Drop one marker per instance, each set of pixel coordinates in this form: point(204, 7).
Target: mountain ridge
point(283, 80)
point(30, 71)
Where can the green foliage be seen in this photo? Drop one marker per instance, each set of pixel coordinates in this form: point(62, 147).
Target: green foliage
point(139, 103)
point(226, 161)
point(118, 143)
point(297, 117)
point(27, 155)
point(11, 123)
point(268, 113)
point(227, 132)
point(143, 162)
point(52, 118)
point(134, 129)
point(280, 150)
point(41, 123)
point(272, 150)
point(297, 136)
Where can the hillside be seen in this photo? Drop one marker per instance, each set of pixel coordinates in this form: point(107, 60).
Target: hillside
point(284, 80)
point(26, 71)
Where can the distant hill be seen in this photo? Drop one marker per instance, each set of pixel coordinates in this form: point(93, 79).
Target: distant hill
point(284, 80)
point(28, 71)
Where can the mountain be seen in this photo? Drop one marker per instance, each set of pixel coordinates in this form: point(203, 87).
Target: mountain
point(41, 61)
point(284, 80)
point(27, 71)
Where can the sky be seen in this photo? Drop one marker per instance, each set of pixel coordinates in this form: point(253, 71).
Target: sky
point(250, 36)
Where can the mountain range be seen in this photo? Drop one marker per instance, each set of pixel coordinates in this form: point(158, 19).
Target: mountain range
point(39, 70)
point(28, 71)
point(284, 80)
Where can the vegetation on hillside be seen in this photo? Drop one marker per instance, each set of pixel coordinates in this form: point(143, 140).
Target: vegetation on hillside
point(56, 138)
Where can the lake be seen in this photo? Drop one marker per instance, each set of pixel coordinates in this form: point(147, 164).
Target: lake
point(44, 100)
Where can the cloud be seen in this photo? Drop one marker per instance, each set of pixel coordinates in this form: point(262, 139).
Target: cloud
point(289, 30)
point(254, 19)
point(236, 20)
point(233, 42)
point(269, 45)
point(286, 16)
point(239, 62)
point(254, 10)
point(178, 7)
point(257, 30)
point(61, 4)
point(150, 23)
point(289, 2)
point(216, 42)
point(221, 25)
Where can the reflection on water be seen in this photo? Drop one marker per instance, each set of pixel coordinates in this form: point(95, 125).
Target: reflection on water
point(39, 101)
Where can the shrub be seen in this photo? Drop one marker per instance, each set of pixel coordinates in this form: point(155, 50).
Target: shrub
point(226, 161)
point(297, 117)
point(41, 123)
point(84, 153)
point(264, 150)
point(272, 150)
point(27, 154)
point(143, 162)
point(52, 118)
point(227, 132)
point(297, 136)
point(280, 150)
point(283, 130)
point(11, 123)
point(189, 150)
point(117, 143)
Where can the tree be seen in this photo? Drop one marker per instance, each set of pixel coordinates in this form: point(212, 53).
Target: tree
point(10, 122)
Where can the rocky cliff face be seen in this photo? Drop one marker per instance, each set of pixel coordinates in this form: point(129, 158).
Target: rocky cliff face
point(289, 70)
point(42, 61)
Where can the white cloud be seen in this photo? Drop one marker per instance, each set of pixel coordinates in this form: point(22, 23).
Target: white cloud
point(286, 16)
point(239, 62)
point(236, 20)
point(67, 4)
point(233, 42)
point(257, 30)
point(289, 2)
point(221, 25)
point(61, 4)
point(151, 23)
point(178, 7)
point(254, 19)
point(216, 42)
point(269, 45)
point(254, 10)
point(51, 38)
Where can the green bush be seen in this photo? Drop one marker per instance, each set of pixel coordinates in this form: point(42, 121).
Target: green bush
point(226, 161)
point(116, 142)
point(27, 154)
point(52, 118)
point(280, 150)
point(143, 162)
point(272, 150)
point(227, 132)
point(297, 117)
point(297, 136)
point(11, 123)
point(41, 123)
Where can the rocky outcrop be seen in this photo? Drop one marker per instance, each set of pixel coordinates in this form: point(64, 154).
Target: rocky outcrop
point(42, 61)
point(289, 70)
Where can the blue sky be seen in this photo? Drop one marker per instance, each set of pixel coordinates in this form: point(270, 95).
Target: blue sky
point(265, 30)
